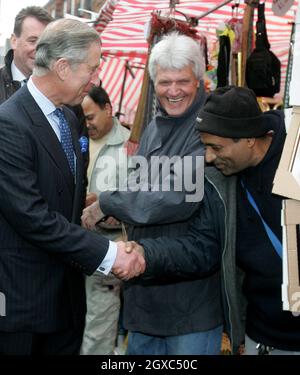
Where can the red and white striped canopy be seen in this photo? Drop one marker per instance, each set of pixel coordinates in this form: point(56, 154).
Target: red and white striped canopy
point(122, 30)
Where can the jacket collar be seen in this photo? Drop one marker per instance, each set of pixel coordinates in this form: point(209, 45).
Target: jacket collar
point(8, 60)
point(7, 74)
point(115, 136)
point(262, 172)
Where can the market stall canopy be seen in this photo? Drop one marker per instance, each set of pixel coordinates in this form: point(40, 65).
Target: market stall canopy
point(122, 29)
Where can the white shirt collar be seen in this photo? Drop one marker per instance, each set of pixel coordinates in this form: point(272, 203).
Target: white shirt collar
point(42, 101)
point(17, 75)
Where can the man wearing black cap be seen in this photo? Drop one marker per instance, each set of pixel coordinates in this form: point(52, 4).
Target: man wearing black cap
point(240, 216)
point(240, 140)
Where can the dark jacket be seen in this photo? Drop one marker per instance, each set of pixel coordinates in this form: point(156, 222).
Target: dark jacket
point(7, 85)
point(207, 246)
point(266, 320)
point(251, 269)
point(43, 253)
point(165, 307)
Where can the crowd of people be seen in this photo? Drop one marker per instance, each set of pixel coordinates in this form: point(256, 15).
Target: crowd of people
point(175, 243)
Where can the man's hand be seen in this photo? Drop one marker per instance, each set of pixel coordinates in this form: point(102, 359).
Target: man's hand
point(132, 245)
point(128, 264)
point(110, 223)
point(91, 215)
point(90, 198)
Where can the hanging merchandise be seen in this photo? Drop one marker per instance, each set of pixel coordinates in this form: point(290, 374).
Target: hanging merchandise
point(236, 25)
point(263, 67)
point(229, 45)
point(224, 33)
point(218, 69)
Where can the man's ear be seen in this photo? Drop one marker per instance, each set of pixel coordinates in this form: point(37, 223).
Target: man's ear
point(13, 41)
point(62, 68)
point(251, 142)
point(108, 109)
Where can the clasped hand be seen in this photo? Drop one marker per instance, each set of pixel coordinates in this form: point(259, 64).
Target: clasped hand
point(91, 215)
point(130, 261)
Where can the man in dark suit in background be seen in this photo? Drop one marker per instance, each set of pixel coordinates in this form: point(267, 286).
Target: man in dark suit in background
point(43, 253)
point(29, 24)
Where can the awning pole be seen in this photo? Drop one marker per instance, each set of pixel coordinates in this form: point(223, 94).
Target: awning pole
point(213, 9)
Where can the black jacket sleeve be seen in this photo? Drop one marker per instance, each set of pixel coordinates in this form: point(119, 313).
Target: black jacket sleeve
point(193, 255)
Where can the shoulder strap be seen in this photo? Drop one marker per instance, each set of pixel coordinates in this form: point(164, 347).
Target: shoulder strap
point(277, 245)
point(261, 12)
point(261, 30)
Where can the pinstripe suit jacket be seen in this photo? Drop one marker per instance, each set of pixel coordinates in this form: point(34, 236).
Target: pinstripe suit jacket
point(43, 253)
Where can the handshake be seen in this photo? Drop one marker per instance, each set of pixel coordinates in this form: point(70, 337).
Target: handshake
point(130, 260)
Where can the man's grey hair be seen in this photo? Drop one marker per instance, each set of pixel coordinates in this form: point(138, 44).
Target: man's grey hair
point(64, 38)
point(176, 51)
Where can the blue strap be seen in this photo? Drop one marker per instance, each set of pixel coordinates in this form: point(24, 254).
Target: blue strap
point(272, 236)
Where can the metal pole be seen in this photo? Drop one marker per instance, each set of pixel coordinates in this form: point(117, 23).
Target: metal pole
point(213, 9)
point(286, 97)
point(119, 113)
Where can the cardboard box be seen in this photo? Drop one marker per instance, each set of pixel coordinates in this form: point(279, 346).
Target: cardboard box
point(291, 251)
point(287, 177)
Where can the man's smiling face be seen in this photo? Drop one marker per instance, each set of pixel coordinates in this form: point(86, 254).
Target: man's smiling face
point(176, 89)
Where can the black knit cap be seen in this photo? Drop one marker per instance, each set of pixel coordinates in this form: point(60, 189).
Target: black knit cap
point(232, 112)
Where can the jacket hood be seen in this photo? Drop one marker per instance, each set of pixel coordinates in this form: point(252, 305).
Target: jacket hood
point(275, 124)
point(275, 119)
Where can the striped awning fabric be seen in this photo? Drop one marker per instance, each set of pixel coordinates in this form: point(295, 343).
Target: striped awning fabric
point(122, 28)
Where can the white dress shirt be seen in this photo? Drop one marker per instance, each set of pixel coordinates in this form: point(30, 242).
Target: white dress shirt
point(47, 107)
point(17, 75)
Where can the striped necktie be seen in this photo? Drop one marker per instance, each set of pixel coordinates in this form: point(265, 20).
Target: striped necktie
point(65, 138)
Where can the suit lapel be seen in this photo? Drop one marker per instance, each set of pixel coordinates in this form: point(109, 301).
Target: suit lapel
point(46, 136)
